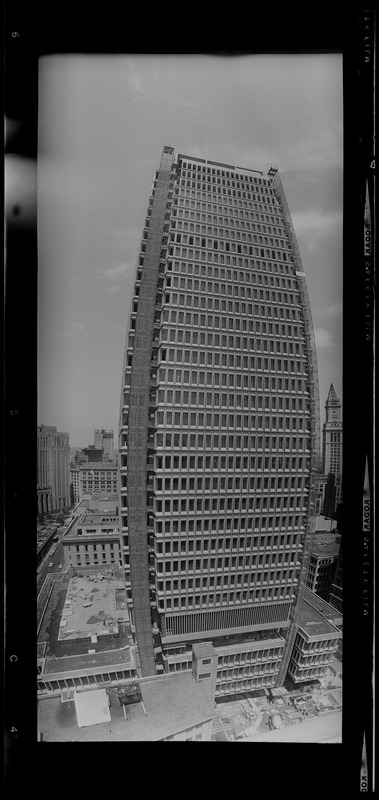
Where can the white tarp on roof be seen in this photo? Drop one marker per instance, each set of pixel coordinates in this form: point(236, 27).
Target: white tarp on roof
point(91, 707)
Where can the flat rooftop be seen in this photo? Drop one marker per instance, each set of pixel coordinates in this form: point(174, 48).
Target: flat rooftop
point(204, 649)
point(322, 606)
point(98, 502)
point(94, 518)
point(325, 549)
point(94, 606)
point(249, 636)
point(89, 465)
point(314, 618)
point(122, 657)
point(325, 523)
point(328, 536)
point(173, 703)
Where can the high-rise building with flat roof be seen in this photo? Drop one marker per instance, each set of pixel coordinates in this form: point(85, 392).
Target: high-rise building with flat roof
point(104, 440)
point(53, 469)
point(219, 422)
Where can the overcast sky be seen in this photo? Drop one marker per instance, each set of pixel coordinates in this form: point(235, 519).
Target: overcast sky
point(103, 122)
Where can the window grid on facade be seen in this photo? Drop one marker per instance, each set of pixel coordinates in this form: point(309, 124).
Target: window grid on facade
point(230, 417)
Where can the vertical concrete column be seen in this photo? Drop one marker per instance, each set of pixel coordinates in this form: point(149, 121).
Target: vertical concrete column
point(140, 383)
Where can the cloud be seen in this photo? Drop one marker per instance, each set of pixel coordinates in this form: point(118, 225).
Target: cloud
point(314, 152)
point(316, 220)
point(322, 149)
point(117, 272)
point(181, 102)
point(314, 224)
point(333, 310)
point(113, 278)
point(134, 79)
point(323, 338)
point(125, 239)
point(70, 328)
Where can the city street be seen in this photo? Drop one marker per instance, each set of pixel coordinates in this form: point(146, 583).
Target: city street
point(44, 569)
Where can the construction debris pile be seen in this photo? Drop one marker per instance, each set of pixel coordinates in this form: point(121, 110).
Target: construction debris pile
point(246, 717)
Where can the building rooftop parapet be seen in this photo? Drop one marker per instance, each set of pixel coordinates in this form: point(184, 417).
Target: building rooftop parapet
point(203, 649)
point(171, 705)
point(98, 534)
point(218, 164)
point(89, 465)
point(322, 606)
point(318, 619)
point(87, 664)
point(319, 631)
point(251, 645)
point(325, 549)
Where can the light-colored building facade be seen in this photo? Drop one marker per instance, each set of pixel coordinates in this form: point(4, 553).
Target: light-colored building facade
point(317, 639)
point(322, 483)
point(44, 499)
point(104, 440)
point(90, 478)
point(173, 708)
point(246, 665)
point(322, 566)
point(336, 590)
point(219, 420)
point(93, 541)
point(332, 453)
point(53, 469)
point(75, 483)
point(332, 435)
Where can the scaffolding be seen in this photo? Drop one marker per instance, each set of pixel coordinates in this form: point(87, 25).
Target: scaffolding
point(314, 408)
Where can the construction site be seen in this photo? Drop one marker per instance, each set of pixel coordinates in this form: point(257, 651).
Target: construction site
point(245, 717)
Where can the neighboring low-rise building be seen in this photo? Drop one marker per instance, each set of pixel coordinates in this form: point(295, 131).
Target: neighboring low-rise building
point(322, 481)
point(243, 663)
point(336, 589)
point(163, 708)
point(322, 565)
point(92, 477)
point(93, 453)
point(93, 541)
point(332, 494)
point(317, 638)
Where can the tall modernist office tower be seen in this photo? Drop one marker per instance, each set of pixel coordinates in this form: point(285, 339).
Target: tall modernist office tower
point(219, 431)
